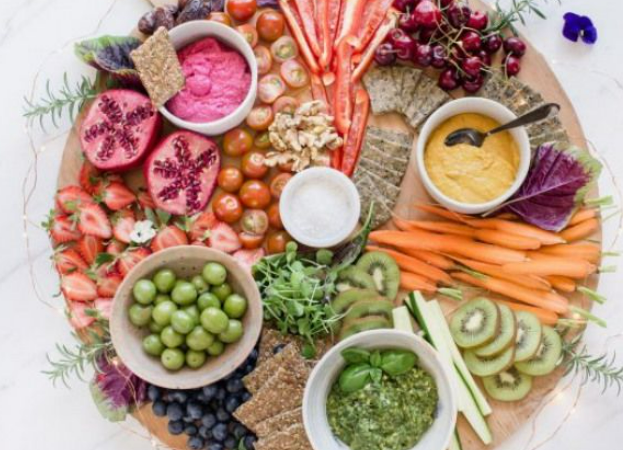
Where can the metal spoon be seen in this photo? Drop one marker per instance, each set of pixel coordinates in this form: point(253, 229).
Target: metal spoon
point(476, 138)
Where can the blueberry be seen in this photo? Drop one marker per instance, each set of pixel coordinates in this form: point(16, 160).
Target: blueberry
point(178, 396)
point(246, 396)
point(231, 404)
point(222, 415)
point(253, 355)
point(220, 432)
point(221, 394)
point(205, 432)
point(175, 411)
point(190, 430)
point(201, 398)
point(248, 442)
point(215, 446)
point(159, 408)
point(249, 368)
point(230, 443)
point(239, 431)
point(234, 386)
point(195, 443)
point(194, 410)
point(209, 392)
point(176, 427)
point(153, 393)
point(208, 420)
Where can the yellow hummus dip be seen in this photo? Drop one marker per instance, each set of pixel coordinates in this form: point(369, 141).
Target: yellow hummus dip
point(471, 174)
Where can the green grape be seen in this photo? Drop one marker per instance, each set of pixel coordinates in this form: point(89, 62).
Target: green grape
point(235, 306)
point(222, 291)
point(171, 338)
point(233, 333)
point(195, 359)
point(153, 345)
point(214, 273)
point(214, 320)
point(163, 312)
point(144, 292)
point(165, 280)
point(200, 284)
point(140, 315)
point(182, 322)
point(199, 339)
point(216, 348)
point(184, 293)
point(172, 359)
point(208, 299)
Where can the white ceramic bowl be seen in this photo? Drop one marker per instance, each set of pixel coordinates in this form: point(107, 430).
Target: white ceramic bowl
point(319, 178)
point(328, 369)
point(189, 32)
point(487, 108)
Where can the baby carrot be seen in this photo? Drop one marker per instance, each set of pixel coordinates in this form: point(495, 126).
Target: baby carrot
point(582, 215)
point(522, 229)
point(580, 231)
point(508, 240)
point(583, 250)
point(410, 264)
point(544, 266)
point(436, 227)
point(442, 212)
point(413, 282)
point(561, 283)
point(434, 259)
point(545, 316)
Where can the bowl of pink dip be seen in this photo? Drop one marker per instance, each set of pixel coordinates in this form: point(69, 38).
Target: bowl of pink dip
point(221, 78)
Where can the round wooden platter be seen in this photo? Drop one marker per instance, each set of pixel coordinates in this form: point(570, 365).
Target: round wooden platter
point(506, 417)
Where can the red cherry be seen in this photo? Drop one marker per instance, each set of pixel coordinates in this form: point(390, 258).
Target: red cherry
point(493, 43)
point(485, 57)
point(404, 45)
point(514, 46)
point(445, 3)
point(385, 54)
point(472, 66)
point(471, 41)
point(478, 20)
point(407, 22)
point(458, 15)
point(439, 58)
point(423, 55)
point(426, 35)
point(427, 14)
point(512, 66)
point(473, 84)
point(404, 5)
point(448, 79)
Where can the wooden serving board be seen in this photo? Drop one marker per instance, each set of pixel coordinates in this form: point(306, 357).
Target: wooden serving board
point(506, 417)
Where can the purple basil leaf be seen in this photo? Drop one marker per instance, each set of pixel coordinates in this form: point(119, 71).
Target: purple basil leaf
point(111, 54)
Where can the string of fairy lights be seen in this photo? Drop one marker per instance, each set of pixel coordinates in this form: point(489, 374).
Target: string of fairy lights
point(562, 392)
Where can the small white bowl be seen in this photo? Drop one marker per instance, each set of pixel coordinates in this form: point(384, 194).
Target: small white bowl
point(487, 108)
point(189, 32)
point(319, 179)
point(326, 372)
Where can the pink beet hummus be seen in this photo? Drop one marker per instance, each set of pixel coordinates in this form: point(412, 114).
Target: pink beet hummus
point(217, 81)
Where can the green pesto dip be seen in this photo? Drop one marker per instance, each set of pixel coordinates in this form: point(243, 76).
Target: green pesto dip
point(392, 414)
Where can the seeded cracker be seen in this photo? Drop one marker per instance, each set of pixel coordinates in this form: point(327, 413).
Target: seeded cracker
point(398, 137)
point(158, 67)
point(368, 193)
point(391, 175)
point(415, 110)
point(410, 81)
point(379, 84)
point(292, 438)
point(279, 422)
point(256, 379)
point(270, 343)
point(398, 78)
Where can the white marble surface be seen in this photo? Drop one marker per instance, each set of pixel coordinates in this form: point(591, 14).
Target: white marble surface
point(34, 415)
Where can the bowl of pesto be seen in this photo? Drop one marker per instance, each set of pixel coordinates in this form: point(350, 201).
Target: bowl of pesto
point(380, 390)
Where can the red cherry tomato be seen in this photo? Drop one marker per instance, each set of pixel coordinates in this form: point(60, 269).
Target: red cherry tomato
point(254, 221)
point(230, 179)
point(251, 241)
point(264, 59)
point(270, 25)
point(274, 216)
point(253, 165)
point(241, 10)
point(278, 183)
point(237, 142)
point(262, 140)
point(277, 241)
point(249, 33)
point(227, 207)
point(255, 194)
point(285, 104)
point(284, 49)
point(220, 17)
point(260, 117)
point(270, 88)
point(294, 74)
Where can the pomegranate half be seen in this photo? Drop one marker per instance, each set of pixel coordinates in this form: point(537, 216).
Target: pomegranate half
point(119, 129)
point(182, 171)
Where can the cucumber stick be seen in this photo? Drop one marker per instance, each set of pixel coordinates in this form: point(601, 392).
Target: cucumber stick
point(429, 322)
point(402, 319)
point(455, 442)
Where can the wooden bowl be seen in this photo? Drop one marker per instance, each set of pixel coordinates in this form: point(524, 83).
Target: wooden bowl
point(185, 261)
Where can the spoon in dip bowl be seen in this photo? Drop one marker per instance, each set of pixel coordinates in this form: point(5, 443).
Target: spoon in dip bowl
point(476, 138)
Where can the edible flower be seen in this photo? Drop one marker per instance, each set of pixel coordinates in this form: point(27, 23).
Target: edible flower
point(577, 26)
point(143, 232)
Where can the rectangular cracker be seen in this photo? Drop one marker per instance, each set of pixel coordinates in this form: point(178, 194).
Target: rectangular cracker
point(385, 171)
point(379, 84)
point(292, 438)
point(399, 138)
point(256, 379)
point(368, 193)
point(422, 90)
point(279, 422)
point(559, 136)
point(374, 153)
point(435, 98)
point(410, 81)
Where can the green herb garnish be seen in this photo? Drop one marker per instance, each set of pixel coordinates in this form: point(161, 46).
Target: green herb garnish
point(502, 18)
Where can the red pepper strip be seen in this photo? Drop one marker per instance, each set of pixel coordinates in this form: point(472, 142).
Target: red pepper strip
point(368, 55)
point(342, 101)
point(334, 8)
point(305, 9)
point(352, 146)
point(336, 158)
point(319, 92)
point(324, 33)
point(350, 18)
point(297, 33)
point(373, 16)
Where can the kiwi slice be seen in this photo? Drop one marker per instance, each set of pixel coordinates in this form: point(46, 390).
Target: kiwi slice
point(508, 386)
point(547, 356)
point(344, 300)
point(354, 278)
point(355, 326)
point(506, 336)
point(475, 323)
point(529, 332)
point(372, 307)
point(485, 367)
point(384, 272)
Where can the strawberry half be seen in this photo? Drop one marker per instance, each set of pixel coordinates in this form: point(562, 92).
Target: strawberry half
point(68, 261)
point(116, 196)
point(248, 258)
point(71, 198)
point(92, 220)
point(89, 177)
point(224, 238)
point(89, 247)
point(123, 224)
point(78, 316)
point(145, 200)
point(169, 236)
point(108, 284)
point(130, 258)
point(104, 307)
point(201, 225)
point(115, 247)
point(78, 287)
point(63, 229)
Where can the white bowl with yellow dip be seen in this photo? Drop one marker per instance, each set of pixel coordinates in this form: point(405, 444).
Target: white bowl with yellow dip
point(468, 179)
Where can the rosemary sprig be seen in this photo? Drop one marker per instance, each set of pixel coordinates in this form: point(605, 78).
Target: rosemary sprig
point(69, 98)
point(500, 18)
point(600, 369)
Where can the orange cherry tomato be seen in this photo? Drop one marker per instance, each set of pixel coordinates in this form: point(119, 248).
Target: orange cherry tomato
point(285, 104)
point(251, 241)
point(255, 194)
point(237, 142)
point(294, 74)
point(278, 184)
point(260, 117)
point(277, 241)
point(227, 207)
point(284, 49)
point(254, 221)
point(270, 25)
point(274, 216)
point(270, 88)
point(230, 179)
point(262, 140)
point(264, 59)
point(220, 17)
point(249, 33)
point(241, 10)
point(253, 165)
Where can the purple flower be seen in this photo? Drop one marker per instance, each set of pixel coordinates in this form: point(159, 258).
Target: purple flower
point(579, 27)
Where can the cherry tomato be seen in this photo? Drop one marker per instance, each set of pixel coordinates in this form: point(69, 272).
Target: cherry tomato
point(270, 25)
point(294, 74)
point(241, 10)
point(262, 140)
point(255, 194)
point(251, 241)
point(230, 179)
point(237, 142)
point(254, 221)
point(278, 183)
point(220, 17)
point(277, 242)
point(270, 88)
point(264, 59)
point(284, 49)
point(274, 216)
point(249, 33)
point(285, 104)
point(260, 117)
point(227, 207)
point(253, 165)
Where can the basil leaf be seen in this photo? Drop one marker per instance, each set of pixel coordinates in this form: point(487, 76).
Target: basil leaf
point(356, 355)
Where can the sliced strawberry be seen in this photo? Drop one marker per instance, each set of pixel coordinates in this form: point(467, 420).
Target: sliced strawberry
point(123, 225)
point(248, 258)
point(92, 220)
point(71, 198)
point(89, 247)
point(115, 247)
point(77, 286)
point(198, 243)
point(108, 284)
point(104, 307)
point(224, 238)
point(78, 316)
point(169, 236)
point(117, 195)
point(201, 225)
point(145, 200)
point(130, 258)
point(89, 177)
point(68, 261)
point(63, 229)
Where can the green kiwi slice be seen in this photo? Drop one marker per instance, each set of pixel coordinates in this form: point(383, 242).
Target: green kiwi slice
point(355, 326)
point(345, 299)
point(384, 272)
point(485, 367)
point(508, 386)
point(372, 307)
point(547, 356)
point(529, 333)
point(506, 336)
point(354, 278)
point(475, 323)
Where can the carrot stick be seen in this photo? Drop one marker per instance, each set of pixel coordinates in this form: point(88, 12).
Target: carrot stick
point(561, 283)
point(442, 212)
point(522, 229)
point(583, 250)
point(507, 216)
point(422, 240)
point(508, 240)
point(435, 227)
point(546, 265)
point(545, 316)
point(580, 231)
point(434, 259)
point(413, 282)
point(410, 264)
point(582, 215)
point(539, 298)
